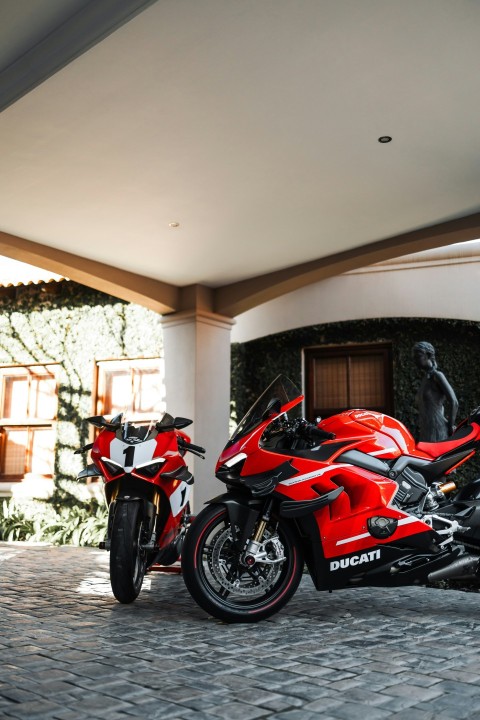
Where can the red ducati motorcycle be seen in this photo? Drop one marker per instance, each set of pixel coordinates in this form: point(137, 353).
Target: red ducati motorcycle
point(147, 487)
point(353, 497)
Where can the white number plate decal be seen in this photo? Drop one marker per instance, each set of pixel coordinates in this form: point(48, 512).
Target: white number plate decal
point(129, 456)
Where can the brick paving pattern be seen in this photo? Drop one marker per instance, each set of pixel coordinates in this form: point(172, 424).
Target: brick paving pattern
point(71, 652)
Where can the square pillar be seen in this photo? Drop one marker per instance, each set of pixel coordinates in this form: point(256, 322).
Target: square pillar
point(197, 383)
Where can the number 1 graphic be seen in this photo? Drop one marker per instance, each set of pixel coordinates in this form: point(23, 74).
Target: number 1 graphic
point(129, 453)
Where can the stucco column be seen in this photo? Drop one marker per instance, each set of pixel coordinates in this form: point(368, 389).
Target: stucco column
point(197, 382)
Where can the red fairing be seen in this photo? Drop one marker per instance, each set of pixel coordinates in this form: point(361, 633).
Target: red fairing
point(342, 525)
point(361, 439)
point(108, 447)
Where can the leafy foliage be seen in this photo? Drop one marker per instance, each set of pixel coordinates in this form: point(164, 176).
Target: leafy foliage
point(39, 521)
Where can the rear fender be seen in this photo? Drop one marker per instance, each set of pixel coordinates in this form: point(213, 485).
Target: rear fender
point(243, 513)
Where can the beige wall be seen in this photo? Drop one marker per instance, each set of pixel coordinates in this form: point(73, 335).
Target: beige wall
point(438, 284)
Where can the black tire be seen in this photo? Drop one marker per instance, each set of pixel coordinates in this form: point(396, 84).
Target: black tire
point(127, 560)
point(227, 589)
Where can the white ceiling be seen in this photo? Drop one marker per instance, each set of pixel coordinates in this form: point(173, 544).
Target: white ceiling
point(254, 124)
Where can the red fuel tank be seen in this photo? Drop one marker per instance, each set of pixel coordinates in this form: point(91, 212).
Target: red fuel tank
point(371, 432)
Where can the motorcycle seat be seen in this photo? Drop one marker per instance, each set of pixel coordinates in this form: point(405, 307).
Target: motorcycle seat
point(459, 437)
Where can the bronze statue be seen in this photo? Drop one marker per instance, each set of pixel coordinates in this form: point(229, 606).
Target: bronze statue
point(432, 394)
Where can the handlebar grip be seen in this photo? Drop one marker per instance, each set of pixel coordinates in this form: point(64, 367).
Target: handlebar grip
point(198, 448)
point(189, 446)
point(315, 432)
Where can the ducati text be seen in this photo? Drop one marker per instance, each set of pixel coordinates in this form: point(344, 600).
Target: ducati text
point(355, 560)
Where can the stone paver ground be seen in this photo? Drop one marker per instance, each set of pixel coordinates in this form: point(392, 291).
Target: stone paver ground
point(71, 652)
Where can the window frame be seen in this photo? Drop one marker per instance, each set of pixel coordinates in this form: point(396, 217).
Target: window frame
point(136, 363)
point(383, 349)
point(27, 423)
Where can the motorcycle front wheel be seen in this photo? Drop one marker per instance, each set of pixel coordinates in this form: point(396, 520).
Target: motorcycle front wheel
point(223, 585)
point(127, 559)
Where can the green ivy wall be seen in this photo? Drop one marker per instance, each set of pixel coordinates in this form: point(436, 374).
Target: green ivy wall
point(457, 344)
point(74, 326)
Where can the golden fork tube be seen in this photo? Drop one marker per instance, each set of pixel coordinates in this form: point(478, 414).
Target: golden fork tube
point(260, 530)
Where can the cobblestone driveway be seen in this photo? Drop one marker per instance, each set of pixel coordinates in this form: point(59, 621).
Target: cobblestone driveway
point(70, 652)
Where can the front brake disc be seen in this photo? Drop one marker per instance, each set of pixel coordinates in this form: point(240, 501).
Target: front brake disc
point(226, 570)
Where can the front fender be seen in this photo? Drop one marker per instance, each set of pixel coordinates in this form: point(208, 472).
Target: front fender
point(148, 512)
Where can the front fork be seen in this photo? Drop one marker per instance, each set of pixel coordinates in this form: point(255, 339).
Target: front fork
point(248, 518)
point(148, 517)
point(256, 550)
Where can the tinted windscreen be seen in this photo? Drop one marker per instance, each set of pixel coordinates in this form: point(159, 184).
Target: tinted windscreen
point(279, 393)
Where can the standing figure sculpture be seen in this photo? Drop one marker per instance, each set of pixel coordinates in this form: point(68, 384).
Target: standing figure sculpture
point(432, 394)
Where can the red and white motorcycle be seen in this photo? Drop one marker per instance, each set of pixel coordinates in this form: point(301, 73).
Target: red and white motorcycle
point(354, 498)
point(147, 487)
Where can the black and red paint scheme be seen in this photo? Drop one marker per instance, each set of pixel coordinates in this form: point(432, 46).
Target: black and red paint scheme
point(352, 496)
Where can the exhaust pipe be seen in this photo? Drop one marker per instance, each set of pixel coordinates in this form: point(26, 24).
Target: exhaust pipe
point(464, 567)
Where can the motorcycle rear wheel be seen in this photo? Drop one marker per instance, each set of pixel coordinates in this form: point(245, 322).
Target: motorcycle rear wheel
point(127, 560)
point(224, 587)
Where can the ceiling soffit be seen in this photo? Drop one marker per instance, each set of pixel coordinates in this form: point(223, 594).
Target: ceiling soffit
point(236, 298)
point(253, 124)
point(74, 36)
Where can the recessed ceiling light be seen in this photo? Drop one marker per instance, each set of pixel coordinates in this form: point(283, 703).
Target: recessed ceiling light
point(384, 139)
point(174, 224)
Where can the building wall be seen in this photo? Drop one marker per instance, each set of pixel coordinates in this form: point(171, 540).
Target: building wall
point(441, 283)
point(73, 326)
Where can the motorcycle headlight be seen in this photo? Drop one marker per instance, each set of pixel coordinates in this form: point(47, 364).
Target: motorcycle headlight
point(230, 471)
point(112, 468)
point(150, 470)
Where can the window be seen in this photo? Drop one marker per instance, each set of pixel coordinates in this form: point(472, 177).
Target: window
point(29, 402)
point(349, 376)
point(133, 386)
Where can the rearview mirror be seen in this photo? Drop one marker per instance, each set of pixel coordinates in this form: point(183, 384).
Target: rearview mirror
point(176, 423)
point(181, 422)
point(101, 422)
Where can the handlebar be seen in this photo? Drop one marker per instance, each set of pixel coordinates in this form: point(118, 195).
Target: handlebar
point(310, 431)
point(195, 449)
